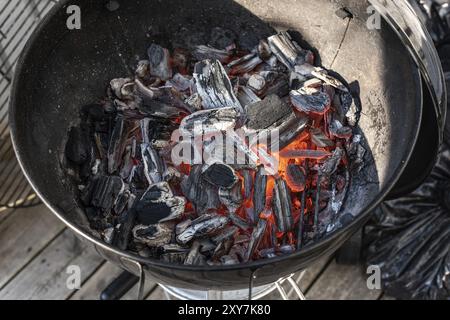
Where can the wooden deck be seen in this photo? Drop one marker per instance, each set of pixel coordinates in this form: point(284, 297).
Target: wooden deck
point(36, 249)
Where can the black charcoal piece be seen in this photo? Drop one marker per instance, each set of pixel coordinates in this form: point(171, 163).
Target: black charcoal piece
point(338, 130)
point(304, 154)
point(319, 138)
point(207, 225)
point(289, 130)
point(288, 51)
point(221, 175)
point(78, 147)
point(245, 64)
point(310, 100)
point(225, 234)
point(106, 190)
point(282, 206)
point(159, 205)
point(264, 51)
point(248, 182)
point(159, 59)
point(232, 198)
point(124, 229)
point(271, 111)
point(259, 193)
point(214, 86)
point(246, 96)
point(116, 144)
point(153, 164)
point(295, 178)
point(255, 239)
point(206, 52)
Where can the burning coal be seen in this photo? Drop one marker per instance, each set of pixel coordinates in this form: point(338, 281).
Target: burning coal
point(217, 155)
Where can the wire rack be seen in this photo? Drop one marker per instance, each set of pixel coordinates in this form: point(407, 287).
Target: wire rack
point(18, 19)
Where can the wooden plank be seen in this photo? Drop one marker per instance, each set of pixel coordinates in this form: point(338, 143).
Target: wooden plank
point(340, 282)
point(24, 233)
point(93, 287)
point(45, 277)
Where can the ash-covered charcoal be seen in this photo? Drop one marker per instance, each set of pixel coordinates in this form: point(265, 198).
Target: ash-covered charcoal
point(179, 82)
point(153, 164)
point(356, 153)
point(105, 191)
point(248, 182)
point(325, 77)
point(350, 109)
point(143, 69)
point(214, 86)
point(338, 130)
point(245, 64)
point(264, 51)
point(271, 111)
point(158, 204)
point(246, 96)
point(207, 122)
point(223, 248)
point(225, 234)
point(282, 206)
point(194, 102)
point(195, 257)
point(232, 198)
point(122, 87)
point(279, 87)
point(209, 53)
point(159, 59)
point(305, 154)
point(310, 100)
point(116, 144)
point(221, 175)
point(320, 139)
point(204, 226)
point(331, 164)
point(156, 235)
point(259, 192)
point(289, 130)
point(255, 239)
point(296, 178)
point(124, 228)
point(257, 83)
point(288, 51)
point(182, 226)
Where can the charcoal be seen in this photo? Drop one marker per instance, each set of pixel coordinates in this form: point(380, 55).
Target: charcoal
point(356, 153)
point(279, 87)
point(214, 86)
point(338, 130)
point(232, 198)
point(255, 238)
point(228, 260)
point(105, 192)
point(160, 102)
point(256, 82)
point(289, 130)
point(312, 83)
point(207, 225)
point(248, 183)
point(122, 87)
point(128, 164)
point(351, 110)
point(295, 178)
point(159, 59)
point(304, 154)
point(211, 121)
point(259, 193)
point(267, 253)
point(174, 257)
point(264, 51)
point(156, 235)
point(202, 52)
point(194, 253)
point(238, 221)
point(143, 69)
point(296, 81)
point(282, 206)
point(194, 102)
point(124, 229)
point(179, 82)
point(153, 164)
point(180, 60)
point(287, 249)
point(121, 202)
point(223, 248)
point(78, 146)
point(225, 234)
point(246, 96)
point(271, 111)
point(245, 64)
point(288, 51)
point(325, 77)
point(182, 226)
point(310, 100)
point(220, 175)
point(319, 138)
point(108, 235)
point(331, 164)
point(116, 144)
point(159, 205)
point(305, 70)
point(222, 38)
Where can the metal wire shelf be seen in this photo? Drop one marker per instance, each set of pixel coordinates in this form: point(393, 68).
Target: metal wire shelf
point(18, 19)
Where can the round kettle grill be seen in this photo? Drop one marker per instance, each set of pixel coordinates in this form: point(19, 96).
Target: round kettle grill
point(395, 73)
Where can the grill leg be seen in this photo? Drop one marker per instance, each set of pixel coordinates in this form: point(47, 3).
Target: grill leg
point(119, 286)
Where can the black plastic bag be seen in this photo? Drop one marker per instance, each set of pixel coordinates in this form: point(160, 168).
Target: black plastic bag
point(409, 239)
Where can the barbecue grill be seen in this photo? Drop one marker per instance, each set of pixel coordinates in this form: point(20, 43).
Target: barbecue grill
point(400, 85)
